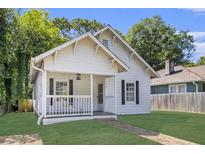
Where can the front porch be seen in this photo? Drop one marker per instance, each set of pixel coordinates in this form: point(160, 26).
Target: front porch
point(77, 96)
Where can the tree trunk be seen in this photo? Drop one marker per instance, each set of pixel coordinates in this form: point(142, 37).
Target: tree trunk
point(7, 85)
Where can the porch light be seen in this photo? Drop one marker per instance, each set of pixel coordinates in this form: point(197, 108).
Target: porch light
point(78, 76)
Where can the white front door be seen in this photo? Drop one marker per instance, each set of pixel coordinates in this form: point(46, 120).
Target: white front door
point(100, 97)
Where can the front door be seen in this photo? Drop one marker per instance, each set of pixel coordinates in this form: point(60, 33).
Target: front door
point(100, 97)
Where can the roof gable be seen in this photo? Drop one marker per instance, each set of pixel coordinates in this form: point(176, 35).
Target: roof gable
point(155, 74)
point(88, 34)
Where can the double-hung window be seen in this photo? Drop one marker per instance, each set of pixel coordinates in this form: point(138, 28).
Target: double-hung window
point(130, 91)
point(61, 88)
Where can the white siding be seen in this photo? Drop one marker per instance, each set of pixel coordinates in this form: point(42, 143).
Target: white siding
point(116, 47)
point(83, 60)
point(38, 93)
point(136, 71)
point(109, 102)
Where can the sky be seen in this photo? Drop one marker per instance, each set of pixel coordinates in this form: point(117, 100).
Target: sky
point(192, 20)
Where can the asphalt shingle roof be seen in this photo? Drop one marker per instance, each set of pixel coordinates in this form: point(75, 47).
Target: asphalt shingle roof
point(181, 75)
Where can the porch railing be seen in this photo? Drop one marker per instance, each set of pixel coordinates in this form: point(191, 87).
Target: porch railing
point(72, 105)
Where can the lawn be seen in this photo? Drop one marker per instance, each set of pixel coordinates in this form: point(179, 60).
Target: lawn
point(79, 132)
point(188, 126)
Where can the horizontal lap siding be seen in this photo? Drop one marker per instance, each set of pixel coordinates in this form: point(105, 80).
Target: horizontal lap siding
point(83, 59)
point(144, 93)
point(136, 72)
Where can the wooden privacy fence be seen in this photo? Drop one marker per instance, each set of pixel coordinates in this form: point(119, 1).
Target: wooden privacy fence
point(185, 102)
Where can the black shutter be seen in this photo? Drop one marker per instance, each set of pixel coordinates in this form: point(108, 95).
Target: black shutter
point(123, 91)
point(71, 90)
point(137, 92)
point(51, 86)
point(51, 89)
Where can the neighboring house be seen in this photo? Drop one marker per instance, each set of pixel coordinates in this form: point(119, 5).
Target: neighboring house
point(92, 76)
point(179, 79)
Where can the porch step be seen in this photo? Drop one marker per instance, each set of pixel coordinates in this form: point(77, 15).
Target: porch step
point(48, 121)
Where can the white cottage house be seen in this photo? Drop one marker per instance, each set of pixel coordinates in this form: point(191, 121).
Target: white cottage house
point(92, 76)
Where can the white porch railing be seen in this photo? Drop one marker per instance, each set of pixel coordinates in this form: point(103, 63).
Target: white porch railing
point(72, 105)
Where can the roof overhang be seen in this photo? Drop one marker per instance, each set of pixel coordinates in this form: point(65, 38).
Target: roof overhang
point(177, 82)
point(152, 71)
point(40, 57)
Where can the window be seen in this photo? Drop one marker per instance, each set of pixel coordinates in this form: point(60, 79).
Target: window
point(172, 89)
point(61, 88)
point(182, 88)
point(105, 42)
point(130, 91)
point(177, 88)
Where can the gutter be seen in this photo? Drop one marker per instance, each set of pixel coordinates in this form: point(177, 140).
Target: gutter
point(197, 86)
point(40, 118)
point(34, 67)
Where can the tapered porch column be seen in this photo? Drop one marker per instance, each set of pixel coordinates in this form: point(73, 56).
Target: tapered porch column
point(91, 92)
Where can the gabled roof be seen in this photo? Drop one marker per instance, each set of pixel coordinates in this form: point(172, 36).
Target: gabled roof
point(128, 46)
point(88, 34)
point(181, 75)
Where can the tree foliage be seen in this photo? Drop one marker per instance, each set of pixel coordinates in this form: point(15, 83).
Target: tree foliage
point(157, 41)
point(201, 61)
point(23, 36)
point(64, 25)
point(7, 55)
point(81, 26)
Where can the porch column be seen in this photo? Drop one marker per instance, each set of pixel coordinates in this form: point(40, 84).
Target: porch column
point(91, 92)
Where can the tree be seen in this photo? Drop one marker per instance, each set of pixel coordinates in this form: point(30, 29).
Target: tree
point(37, 34)
point(201, 61)
point(157, 41)
point(81, 26)
point(64, 25)
point(7, 56)
point(21, 37)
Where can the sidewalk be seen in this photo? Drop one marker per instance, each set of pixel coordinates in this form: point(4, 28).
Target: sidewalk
point(150, 135)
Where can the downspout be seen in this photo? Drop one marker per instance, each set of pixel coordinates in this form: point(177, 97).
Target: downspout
point(40, 119)
point(197, 86)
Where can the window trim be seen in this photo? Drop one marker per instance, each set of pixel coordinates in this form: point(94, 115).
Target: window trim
point(177, 88)
point(133, 82)
point(107, 42)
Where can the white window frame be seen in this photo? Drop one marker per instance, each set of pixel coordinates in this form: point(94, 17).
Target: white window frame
point(133, 82)
point(60, 80)
point(177, 88)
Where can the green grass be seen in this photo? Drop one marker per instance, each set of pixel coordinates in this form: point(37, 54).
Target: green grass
point(79, 132)
point(188, 126)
